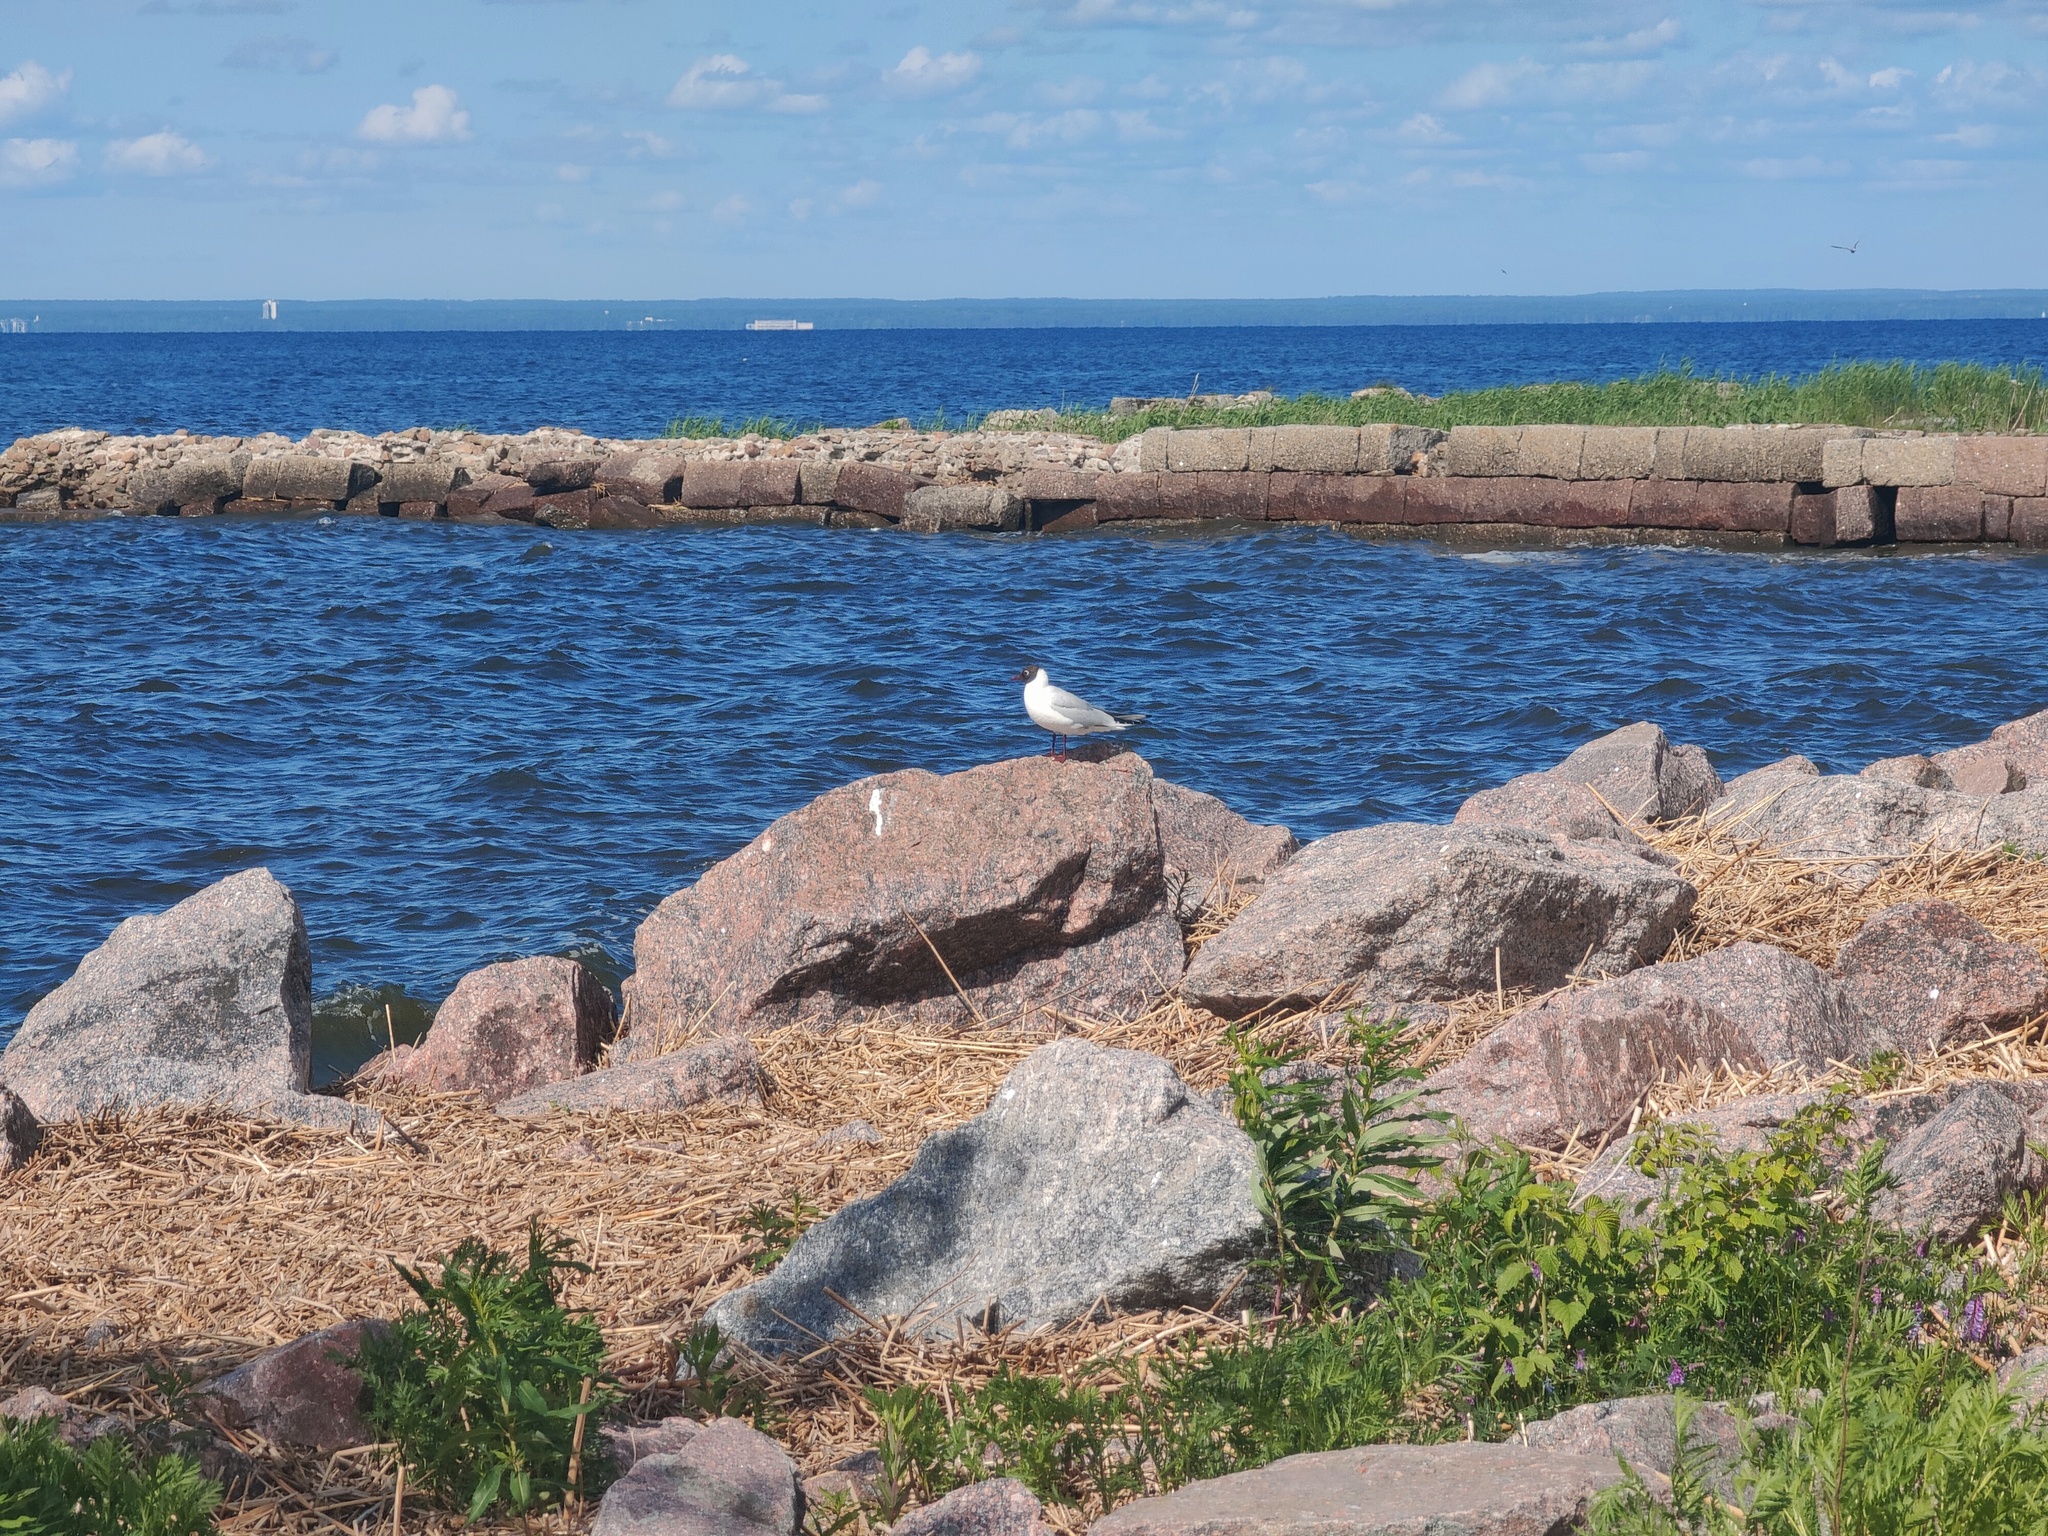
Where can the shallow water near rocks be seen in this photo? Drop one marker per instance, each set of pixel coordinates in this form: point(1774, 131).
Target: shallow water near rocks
point(462, 744)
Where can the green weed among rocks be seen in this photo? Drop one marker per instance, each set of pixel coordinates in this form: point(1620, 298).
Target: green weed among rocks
point(48, 1489)
point(1498, 1298)
point(491, 1389)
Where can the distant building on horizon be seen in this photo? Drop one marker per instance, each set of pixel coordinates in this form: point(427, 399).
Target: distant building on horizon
point(780, 325)
point(270, 309)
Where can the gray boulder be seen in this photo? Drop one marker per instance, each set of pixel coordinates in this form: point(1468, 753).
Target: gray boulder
point(628, 1444)
point(1543, 802)
point(210, 1002)
point(20, 1135)
point(420, 480)
point(300, 1394)
point(1003, 890)
point(725, 1480)
point(1643, 1431)
point(1642, 775)
point(2027, 1374)
point(1212, 855)
point(1577, 1062)
point(941, 508)
point(1406, 912)
point(996, 1506)
point(1464, 1489)
point(1746, 789)
point(1094, 1177)
point(1851, 825)
point(1955, 1171)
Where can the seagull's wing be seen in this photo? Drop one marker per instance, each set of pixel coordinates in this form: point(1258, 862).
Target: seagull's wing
point(1079, 710)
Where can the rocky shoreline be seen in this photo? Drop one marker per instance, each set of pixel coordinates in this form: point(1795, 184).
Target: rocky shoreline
point(1096, 1177)
point(1763, 486)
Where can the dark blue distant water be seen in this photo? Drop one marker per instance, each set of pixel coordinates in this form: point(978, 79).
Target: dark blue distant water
point(459, 744)
point(631, 384)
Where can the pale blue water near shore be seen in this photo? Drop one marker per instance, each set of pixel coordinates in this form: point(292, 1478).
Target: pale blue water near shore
point(460, 744)
point(630, 384)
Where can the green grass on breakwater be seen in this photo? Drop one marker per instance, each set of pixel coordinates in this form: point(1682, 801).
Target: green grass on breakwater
point(1947, 397)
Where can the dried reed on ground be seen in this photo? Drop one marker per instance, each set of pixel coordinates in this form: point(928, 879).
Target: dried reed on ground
point(140, 1253)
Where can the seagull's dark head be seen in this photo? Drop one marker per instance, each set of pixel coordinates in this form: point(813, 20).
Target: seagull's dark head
point(1030, 670)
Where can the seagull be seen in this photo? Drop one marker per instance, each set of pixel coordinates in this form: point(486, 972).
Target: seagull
point(1851, 249)
point(1063, 713)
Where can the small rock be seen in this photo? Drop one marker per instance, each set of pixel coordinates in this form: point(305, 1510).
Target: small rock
point(509, 1028)
point(32, 1403)
point(577, 1149)
point(1463, 1489)
point(855, 1133)
point(2026, 1373)
point(20, 1135)
point(1542, 802)
point(1956, 1170)
point(707, 1069)
point(1213, 856)
point(725, 1480)
point(1094, 1176)
point(1403, 911)
point(101, 1332)
point(856, 1476)
point(300, 1394)
point(1928, 975)
point(1642, 776)
point(1578, 1061)
point(1919, 771)
point(1982, 768)
point(997, 1506)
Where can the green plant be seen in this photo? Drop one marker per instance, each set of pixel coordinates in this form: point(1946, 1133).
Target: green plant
point(1338, 1157)
point(711, 1388)
point(777, 1230)
point(482, 1386)
point(48, 1489)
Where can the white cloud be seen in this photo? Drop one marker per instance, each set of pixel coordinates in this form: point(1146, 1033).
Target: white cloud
point(1645, 40)
point(158, 154)
point(650, 143)
point(1080, 91)
point(572, 173)
point(1800, 168)
point(862, 194)
point(1838, 77)
point(30, 89)
point(1138, 128)
point(664, 202)
point(36, 162)
point(920, 72)
point(1619, 163)
point(800, 209)
point(732, 210)
point(725, 82)
point(436, 116)
point(1970, 136)
point(1490, 85)
point(1889, 79)
point(1424, 129)
point(1026, 132)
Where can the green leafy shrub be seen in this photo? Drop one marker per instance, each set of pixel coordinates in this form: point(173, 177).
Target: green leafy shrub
point(483, 1385)
point(1338, 1157)
point(48, 1489)
point(777, 1230)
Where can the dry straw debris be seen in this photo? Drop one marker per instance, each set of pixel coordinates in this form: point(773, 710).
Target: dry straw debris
point(159, 1249)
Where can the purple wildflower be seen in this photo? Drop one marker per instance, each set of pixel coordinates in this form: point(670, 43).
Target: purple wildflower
point(1509, 1367)
point(1536, 1270)
point(1579, 1360)
point(1677, 1376)
point(1975, 1323)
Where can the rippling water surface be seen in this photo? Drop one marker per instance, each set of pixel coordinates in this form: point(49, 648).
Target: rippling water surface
point(461, 744)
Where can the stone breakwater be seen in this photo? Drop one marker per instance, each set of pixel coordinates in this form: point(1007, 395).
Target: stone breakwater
point(1815, 486)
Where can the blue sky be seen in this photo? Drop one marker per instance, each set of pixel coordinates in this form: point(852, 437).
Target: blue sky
point(1096, 148)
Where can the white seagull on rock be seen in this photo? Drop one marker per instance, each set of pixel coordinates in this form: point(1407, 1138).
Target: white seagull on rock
point(1063, 713)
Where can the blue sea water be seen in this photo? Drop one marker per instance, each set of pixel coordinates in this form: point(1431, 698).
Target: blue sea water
point(461, 744)
point(631, 384)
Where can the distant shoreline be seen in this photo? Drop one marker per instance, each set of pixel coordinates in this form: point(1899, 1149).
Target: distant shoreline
point(260, 313)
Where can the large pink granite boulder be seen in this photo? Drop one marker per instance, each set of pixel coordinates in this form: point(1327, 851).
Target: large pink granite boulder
point(508, 1029)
